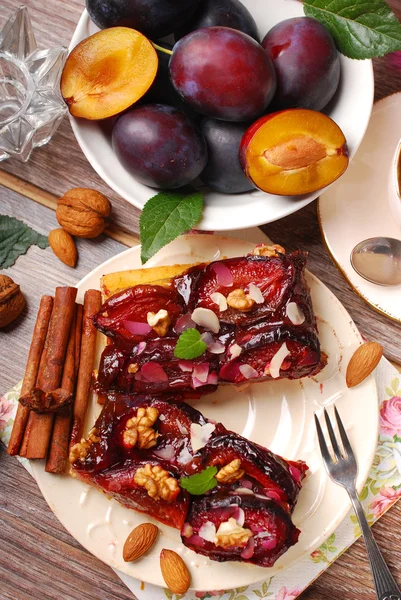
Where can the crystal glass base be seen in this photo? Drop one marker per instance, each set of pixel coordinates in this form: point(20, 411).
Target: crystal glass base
point(31, 105)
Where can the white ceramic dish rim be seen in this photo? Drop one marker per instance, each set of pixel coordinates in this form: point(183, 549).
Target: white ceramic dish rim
point(384, 300)
point(364, 469)
point(222, 218)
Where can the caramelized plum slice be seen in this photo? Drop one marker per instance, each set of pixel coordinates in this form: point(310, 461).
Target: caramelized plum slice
point(273, 277)
point(269, 531)
point(293, 152)
point(107, 72)
point(273, 352)
point(118, 481)
point(123, 317)
point(276, 475)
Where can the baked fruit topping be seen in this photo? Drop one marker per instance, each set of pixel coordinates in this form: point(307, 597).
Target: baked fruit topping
point(254, 315)
point(141, 450)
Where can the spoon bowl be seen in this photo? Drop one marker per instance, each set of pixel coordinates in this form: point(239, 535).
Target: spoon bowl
point(378, 260)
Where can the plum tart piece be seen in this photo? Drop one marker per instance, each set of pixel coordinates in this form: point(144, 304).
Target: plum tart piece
point(254, 315)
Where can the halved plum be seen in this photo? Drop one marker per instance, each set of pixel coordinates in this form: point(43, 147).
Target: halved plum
point(108, 72)
point(280, 479)
point(267, 529)
point(123, 317)
point(293, 152)
point(273, 277)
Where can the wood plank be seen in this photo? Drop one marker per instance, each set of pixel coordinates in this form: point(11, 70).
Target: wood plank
point(38, 558)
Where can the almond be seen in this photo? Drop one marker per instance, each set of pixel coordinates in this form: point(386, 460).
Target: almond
point(364, 360)
point(139, 541)
point(175, 572)
point(63, 246)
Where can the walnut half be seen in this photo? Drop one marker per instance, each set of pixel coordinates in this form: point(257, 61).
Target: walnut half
point(80, 450)
point(159, 321)
point(270, 251)
point(239, 300)
point(157, 482)
point(230, 534)
point(231, 472)
point(139, 430)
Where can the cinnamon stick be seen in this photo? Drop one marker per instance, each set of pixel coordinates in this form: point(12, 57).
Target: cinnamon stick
point(31, 371)
point(50, 373)
point(58, 452)
point(92, 304)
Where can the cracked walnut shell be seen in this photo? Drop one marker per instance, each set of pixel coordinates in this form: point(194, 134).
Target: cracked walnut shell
point(83, 212)
point(12, 300)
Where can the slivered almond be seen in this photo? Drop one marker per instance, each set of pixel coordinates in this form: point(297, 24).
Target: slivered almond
point(63, 246)
point(364, 360)
point(175, 572)
point(139, 541)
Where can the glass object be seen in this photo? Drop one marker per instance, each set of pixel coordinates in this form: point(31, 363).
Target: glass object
point(31, 105)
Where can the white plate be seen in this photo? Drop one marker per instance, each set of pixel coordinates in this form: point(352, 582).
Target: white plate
point(364, 204)
point(278, 415)
point(351, 109)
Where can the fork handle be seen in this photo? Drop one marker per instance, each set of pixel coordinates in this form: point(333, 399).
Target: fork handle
point(386, 587)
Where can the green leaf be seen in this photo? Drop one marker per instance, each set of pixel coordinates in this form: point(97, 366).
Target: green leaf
point(364, 494)
point(201, 482)
point(332, 549)
point(258, 593)
point(265, 587)
point(166, 216)
point(331, 539)
point(241, 589)
point(241, 597)
point(389, 392)
point(15, 239)
point(189, 345)
point(360, 28)
point(168, 594)
point(394, 384)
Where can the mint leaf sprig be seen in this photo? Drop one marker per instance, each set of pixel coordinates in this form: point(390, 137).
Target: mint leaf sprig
point(15, 239)
point(361, 28)
point(189, 345)
point(166, 216)
point(201, 482)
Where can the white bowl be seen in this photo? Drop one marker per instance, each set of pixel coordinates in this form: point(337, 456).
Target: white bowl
point(350, 109)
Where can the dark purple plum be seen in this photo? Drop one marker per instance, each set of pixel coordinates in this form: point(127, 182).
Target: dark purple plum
point(153, 18)
point(223, 171)
point(306, 61)
point(220, 13)
point(223, 73)
point(162, 90)
point(159, 146)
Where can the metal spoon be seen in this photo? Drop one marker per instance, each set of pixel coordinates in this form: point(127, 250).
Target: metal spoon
point(378, 260)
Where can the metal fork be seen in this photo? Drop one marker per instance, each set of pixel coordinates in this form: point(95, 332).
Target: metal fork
point(343, 469)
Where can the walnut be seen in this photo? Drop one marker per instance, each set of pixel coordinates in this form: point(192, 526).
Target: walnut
point(139, 429)
point(239, 300)
point(270, 251)
point(159, 321)
point(12, 300)
point(157, 482)
point(133, 368)
point(230, 534)
point(230, 472)
point(79, 451)
point(83, 212)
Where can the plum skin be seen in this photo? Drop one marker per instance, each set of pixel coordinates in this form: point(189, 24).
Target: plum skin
point(159, 146)
point(223, 172)
point(224, 13)
point(223, 73)
point(306, 61)
point(153, 18)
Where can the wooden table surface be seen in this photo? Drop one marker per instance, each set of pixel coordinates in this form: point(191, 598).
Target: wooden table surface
point(39, 560)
